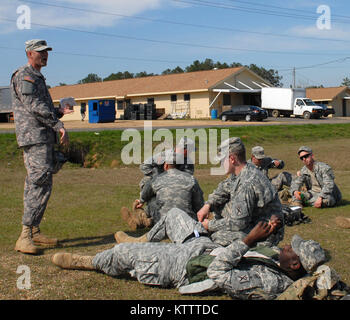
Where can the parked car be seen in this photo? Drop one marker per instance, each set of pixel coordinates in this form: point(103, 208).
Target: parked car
point(326, 110)
point(246, 112)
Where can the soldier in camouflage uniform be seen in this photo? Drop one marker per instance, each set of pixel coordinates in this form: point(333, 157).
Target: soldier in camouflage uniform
point(171, 189)
point(165, 264)
point(265, 163)
point(37, 128)
point(318, 178)
point(154, 166)
point(241, 200)
point(247, 275)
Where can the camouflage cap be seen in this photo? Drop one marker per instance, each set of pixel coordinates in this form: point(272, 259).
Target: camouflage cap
point(228, 146)
point(171, 157)
point(304, 148)
point(37, 45)
point(310, 253)
point(258, 152)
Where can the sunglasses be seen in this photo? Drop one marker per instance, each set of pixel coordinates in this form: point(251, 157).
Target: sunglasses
point(305, 156)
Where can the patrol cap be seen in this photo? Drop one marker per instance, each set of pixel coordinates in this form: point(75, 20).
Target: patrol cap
point(258, 152)
point(310, 253)
point(186, 143)
point(231, 145)
point(37, 45)
point(304, 148)
point(171, 157)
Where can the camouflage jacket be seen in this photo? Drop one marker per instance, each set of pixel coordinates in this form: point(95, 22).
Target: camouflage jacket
point(249, 197)
point(154, 165)
point(35, 116)
point(174, 189)
point(267, 163)
point(324, 176)
point(242, 279)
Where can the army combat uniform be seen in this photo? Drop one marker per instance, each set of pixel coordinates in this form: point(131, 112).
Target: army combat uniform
point(159, 263)
point(319, 183)
point(245, 199)
point(160, 193)
point(37, 125)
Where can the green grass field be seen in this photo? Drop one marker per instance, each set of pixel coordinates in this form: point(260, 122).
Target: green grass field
point(84, 210)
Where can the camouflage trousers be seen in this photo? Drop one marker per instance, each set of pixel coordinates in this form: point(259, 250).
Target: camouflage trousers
point(162, 264)
point(282, 179)
point(38, 160)
point(152, 208)
point(177, 225)
point(311, 197)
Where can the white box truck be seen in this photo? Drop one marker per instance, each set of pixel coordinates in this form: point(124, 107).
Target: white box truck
point(288, 101)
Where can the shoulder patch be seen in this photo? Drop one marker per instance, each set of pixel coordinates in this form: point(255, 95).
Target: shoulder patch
point(28, 78)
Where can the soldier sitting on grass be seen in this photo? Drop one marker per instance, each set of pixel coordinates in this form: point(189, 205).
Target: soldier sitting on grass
point(318, 178)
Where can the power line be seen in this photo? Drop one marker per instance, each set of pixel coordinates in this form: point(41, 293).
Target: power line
point(184, 23)
point(252, 10)
point(184, 44)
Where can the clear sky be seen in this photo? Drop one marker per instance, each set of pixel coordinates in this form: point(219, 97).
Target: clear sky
point(108, 36)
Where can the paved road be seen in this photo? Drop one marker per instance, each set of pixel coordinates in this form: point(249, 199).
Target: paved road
point(182, 124)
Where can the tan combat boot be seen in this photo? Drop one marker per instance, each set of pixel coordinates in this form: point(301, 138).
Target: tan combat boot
point(25, 243)
point(39, 238)
point(122, 237)
point(343, 222)
point(136, 219)
point(72, 261)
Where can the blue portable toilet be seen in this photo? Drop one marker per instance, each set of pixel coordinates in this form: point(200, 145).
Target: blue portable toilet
point(214, 113)
point(101, 111)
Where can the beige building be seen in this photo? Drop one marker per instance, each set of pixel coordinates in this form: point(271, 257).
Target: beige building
point(191, 94)
point(336, 97)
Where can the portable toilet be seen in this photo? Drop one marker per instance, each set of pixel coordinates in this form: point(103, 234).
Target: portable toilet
point(101, 111)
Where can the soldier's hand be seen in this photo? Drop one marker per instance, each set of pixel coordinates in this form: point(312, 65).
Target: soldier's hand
point(318, 203)
point(138, 204)
point(203, 213)
point(275, 222)
point(260, 232)
point(297, 195)
point(205, 224)
point(64, 139)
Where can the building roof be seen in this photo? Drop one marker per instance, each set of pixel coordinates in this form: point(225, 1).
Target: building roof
point(324, 93)
point(180, 82)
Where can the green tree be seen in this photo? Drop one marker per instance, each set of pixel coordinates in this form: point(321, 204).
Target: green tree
point(270, 75)
point(143, 74)
point(91, 77)
point(175, 70)
point(119, 76)
point(346, 82)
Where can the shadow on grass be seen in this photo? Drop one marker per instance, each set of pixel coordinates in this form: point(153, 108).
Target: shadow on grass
point(87, 241)
point(343, 203)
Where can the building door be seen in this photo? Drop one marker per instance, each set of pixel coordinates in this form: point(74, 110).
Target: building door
point(344, 108)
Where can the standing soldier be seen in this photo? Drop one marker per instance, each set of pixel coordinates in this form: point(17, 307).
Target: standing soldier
point(37, 126)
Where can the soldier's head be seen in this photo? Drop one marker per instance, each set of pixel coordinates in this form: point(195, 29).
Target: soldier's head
point(232, 154)
point(185, 146)
point(37, 53)
point(301, 257)
point(257, 155)
point(306, 156)
point(172, 159)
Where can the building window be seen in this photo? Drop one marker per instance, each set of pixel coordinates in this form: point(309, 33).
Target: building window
point(120, 105)
point(173, 98)
point(227, 99)
point(150, 101)
point(187, 97)
point(127, 102)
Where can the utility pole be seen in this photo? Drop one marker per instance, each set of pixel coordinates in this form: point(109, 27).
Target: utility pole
point(294, 77)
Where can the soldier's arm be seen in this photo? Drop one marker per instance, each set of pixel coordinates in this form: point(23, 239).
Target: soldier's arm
point(297, 184)
point(147, 192)
point(328, 181)
point(240, 213)
point(197, 197)
point(29, 95)
point(220, 196)
point(220, 270)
